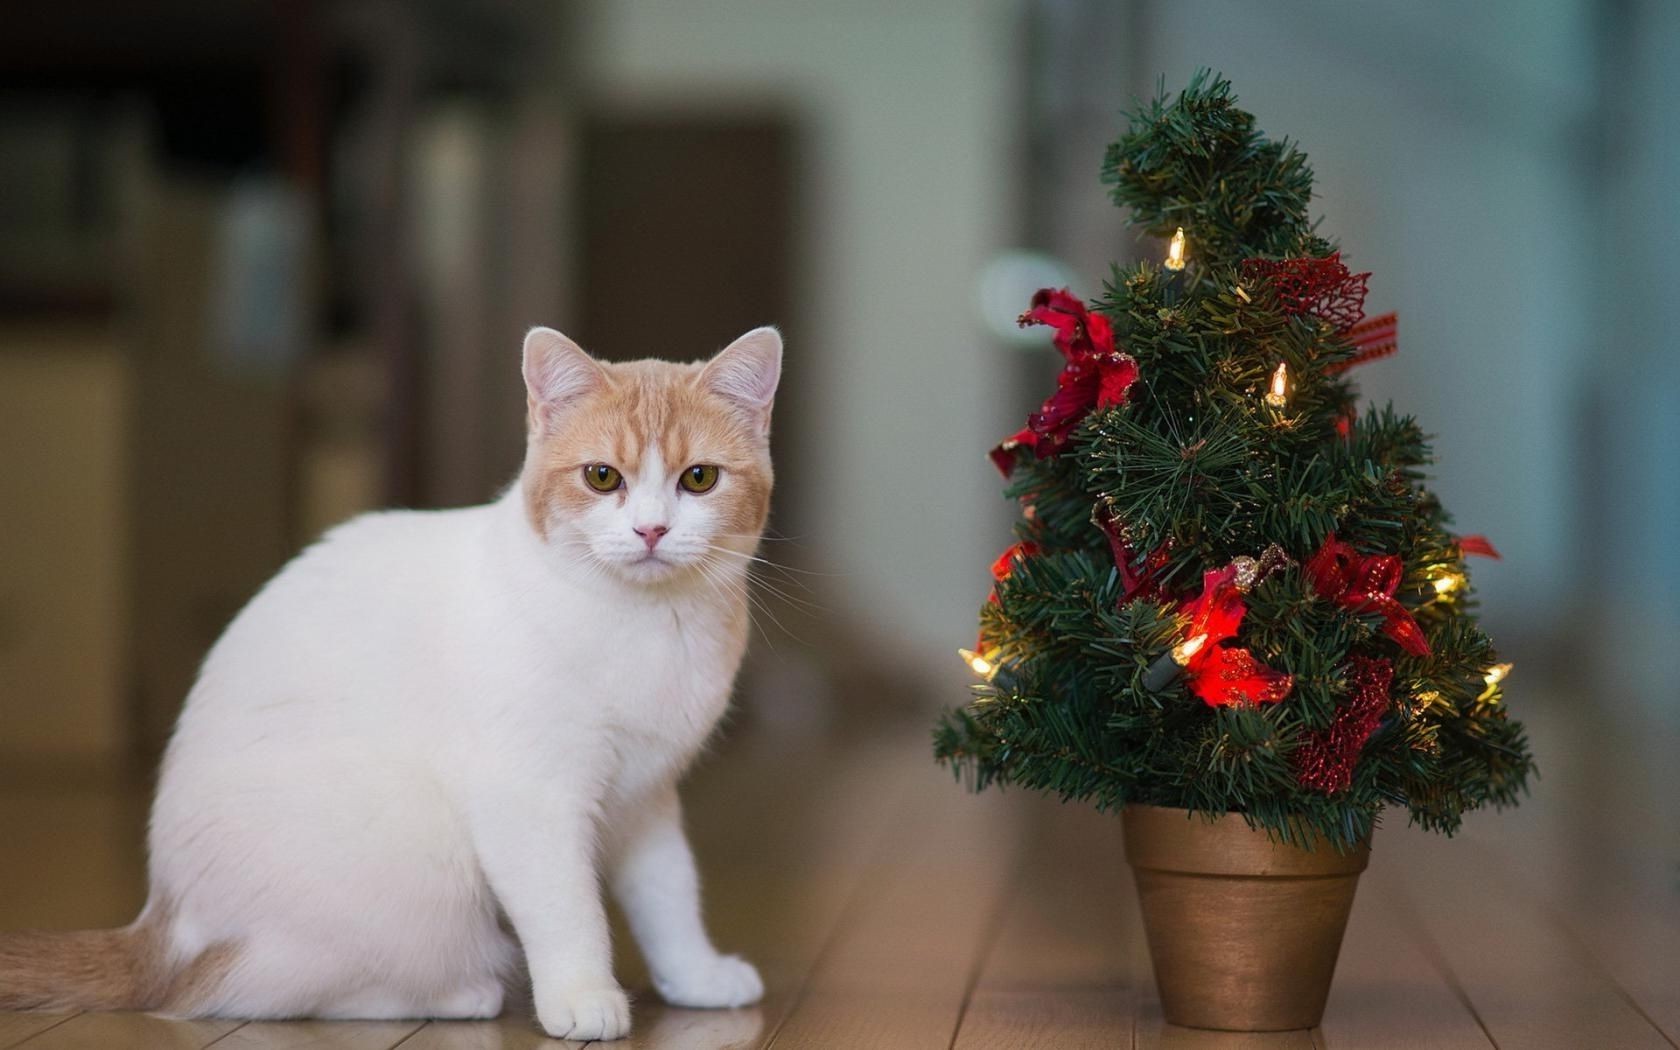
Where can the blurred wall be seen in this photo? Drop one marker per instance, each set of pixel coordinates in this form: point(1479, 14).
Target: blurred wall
point(908, 189)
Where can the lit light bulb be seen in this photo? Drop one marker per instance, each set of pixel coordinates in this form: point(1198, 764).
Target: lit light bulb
point(1183, 651)
point(1170, 664)
point(1445, 585)
point(1494, 676)
point(978, 664)
point(1278, 395)
point(1175, 252)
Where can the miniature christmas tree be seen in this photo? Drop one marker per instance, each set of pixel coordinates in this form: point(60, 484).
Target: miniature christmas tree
point(1232, 590)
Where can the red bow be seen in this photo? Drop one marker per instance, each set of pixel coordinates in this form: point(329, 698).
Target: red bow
point(1096, 376)
point(1225, 676)
point(1365, 583)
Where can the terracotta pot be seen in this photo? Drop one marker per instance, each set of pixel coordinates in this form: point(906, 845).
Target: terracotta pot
point(1243, 932)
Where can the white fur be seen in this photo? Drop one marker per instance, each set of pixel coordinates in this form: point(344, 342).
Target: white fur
point(431, 718)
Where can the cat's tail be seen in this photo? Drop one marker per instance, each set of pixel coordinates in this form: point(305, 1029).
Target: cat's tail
point(119, 969)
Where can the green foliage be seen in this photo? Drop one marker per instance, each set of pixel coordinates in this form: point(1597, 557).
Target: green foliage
point(1201, 470)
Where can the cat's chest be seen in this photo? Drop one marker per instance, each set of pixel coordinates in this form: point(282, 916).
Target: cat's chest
point(654, 674)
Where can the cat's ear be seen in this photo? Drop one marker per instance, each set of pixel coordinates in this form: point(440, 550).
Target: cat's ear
point(557, 373)
point(746, 372)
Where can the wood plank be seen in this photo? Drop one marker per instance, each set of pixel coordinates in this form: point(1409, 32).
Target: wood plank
point(897, 972)
point(16, 1027)
point(1387, 991)
point(125, 1031)
point(318, 1035)
point(1058, 974)
point(509, 1032)
point(1529, 983)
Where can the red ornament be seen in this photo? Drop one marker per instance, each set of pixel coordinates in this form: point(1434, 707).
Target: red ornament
point(1306, 285)
point(1096, 376)
point(1365, 583)
point(1226, 676)
point(1324, 759)
point(1478, 545)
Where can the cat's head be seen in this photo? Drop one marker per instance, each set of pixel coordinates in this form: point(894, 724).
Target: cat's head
point(647, 470)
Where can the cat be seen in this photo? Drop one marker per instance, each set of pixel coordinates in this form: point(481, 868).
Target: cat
point(406, 761)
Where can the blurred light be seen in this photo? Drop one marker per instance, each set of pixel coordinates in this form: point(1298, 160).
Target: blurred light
point(1445, 585)
point(1006, 287)
point(978, 664)
point(1497, 673)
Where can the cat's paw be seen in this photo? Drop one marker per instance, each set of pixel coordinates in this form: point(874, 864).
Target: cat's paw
point(585, 1013)
point(715, 982)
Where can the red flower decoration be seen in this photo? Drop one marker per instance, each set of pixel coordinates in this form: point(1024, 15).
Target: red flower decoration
point(1321, 287)
point(1365, 583)
point(1324, 760)
point(1225, 676)
point(1096, 376)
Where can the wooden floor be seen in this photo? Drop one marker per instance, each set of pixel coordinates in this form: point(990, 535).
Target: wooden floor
point(888, 909)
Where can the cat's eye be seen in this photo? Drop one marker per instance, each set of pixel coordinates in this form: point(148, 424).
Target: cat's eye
point(603, 478)
point(699, 478)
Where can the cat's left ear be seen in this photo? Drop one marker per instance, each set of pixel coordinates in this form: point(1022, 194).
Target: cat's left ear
point(746, 372)
point(557, 374)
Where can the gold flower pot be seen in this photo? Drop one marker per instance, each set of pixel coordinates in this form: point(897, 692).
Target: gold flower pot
point(1243, 932)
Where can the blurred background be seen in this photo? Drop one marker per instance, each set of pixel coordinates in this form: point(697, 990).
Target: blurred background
point(266, 263)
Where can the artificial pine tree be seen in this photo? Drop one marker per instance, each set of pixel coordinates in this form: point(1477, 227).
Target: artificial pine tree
point(1232, 590)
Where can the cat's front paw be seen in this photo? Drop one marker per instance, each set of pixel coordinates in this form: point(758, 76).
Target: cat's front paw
point(715, 982)
point(585, 1013)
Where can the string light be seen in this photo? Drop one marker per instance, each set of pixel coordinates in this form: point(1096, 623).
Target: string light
point(1431, 699)
point(1445, 585)
point(1175, 252)
point(1171, 664)
point(978, 664)
point(1278, 395)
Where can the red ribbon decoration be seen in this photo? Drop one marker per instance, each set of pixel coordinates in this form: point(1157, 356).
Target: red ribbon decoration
point(1096, 376)
point(1478, 545)
point(1324, 760)
point(1135, 581)
point(1365, 583)
point(1226, 676)
point(1371, 339)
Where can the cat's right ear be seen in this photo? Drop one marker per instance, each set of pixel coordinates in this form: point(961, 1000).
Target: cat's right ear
point(557, 374)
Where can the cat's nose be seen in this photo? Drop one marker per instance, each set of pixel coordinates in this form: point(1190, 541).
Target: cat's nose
point(650, 534)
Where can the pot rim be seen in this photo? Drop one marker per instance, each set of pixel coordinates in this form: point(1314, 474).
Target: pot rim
point(1171, 838)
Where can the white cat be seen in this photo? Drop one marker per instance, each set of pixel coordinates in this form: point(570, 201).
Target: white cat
point(429, 720)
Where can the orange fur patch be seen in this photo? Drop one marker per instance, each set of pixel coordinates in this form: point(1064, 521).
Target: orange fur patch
point(643, 405)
